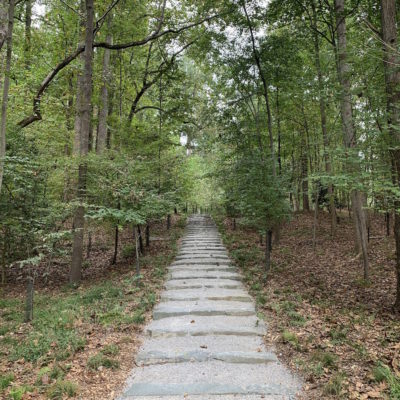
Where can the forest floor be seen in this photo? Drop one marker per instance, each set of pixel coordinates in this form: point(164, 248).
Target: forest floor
point(82, 342)
point(337, 330)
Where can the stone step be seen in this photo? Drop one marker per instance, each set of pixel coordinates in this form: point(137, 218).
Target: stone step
point(206, 293)
point(201, 282)
point(200, 267)
point(214, 344)
point(203, 307)
point(207, 253)
point(233, 357)
point(212, 378)
point(203, 261)
point(212, 397)
point(195, 274)
point(189, 325)
point(191, 256)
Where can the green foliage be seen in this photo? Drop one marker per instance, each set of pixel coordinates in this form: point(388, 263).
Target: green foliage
point(5, 381)
point(335, 384)
point(291, 338)
point(62, 389)
point(100, 360)
point(382, 373)
point(17, 393)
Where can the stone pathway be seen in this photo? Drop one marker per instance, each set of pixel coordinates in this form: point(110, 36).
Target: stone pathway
point(205, 340)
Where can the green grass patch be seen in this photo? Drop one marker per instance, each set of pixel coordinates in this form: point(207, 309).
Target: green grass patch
point(62, 389)
point(291, 338)
point(382, 373)
point(325, 358)
point(17, 393)
point(101, 360)
point(5, 381)
point(335, 385)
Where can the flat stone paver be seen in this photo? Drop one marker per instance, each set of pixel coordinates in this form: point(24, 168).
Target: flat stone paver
point(205, 339)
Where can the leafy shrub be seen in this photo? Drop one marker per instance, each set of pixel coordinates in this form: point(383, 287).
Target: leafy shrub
point(128, 251)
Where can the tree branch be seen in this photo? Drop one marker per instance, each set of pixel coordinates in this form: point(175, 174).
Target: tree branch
point(36, 115)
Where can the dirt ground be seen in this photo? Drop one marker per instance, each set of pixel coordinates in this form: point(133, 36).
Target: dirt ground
point(335, 329)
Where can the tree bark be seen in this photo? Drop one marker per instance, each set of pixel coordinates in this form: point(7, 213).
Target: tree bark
point(147, 235)
point(349, 137)
point(322, 109)
point(28, 32)
point(4, 4)
point(104, 107)
point(6, 88)
point(392, 83)
point(84, 113)
point(141, 247)
point(268, 249)
point(29, 299)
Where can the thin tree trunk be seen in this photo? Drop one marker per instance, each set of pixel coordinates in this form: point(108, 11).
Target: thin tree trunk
point(147, 235)
point(304, 174)
point(116, 241)
point(392, 81)
point(265, 89)
point(317, 189)
point(268, 249)
point(4, 4)
point(89, 245)
point(29, 299)
point(349, 129)
point(141, 247)
point(137, 253)
point(84, 112)
point(79, 86)
point(28, 32)
point(104, 107)
point(6, 88)
point(322, 108)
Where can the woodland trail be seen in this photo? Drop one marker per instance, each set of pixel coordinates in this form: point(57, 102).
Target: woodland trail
point(205, 340)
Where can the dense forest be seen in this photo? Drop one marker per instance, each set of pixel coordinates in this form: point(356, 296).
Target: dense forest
point(119, 118)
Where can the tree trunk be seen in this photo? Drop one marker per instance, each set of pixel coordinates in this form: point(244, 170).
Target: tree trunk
point(137, 253)
point(268, 249)
point(392, 82)
point(79, 85)
point(6, 88)
point(104, 107)
point(349, 137)
point(147, 235)
point(116, 241)
point(29, 299)
point(322, 109)
point(141, 247)
point(28, 32)
point(84, 112)
point(169, 221)
point(4, 4)
point(257, 60)
point(304, 174)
